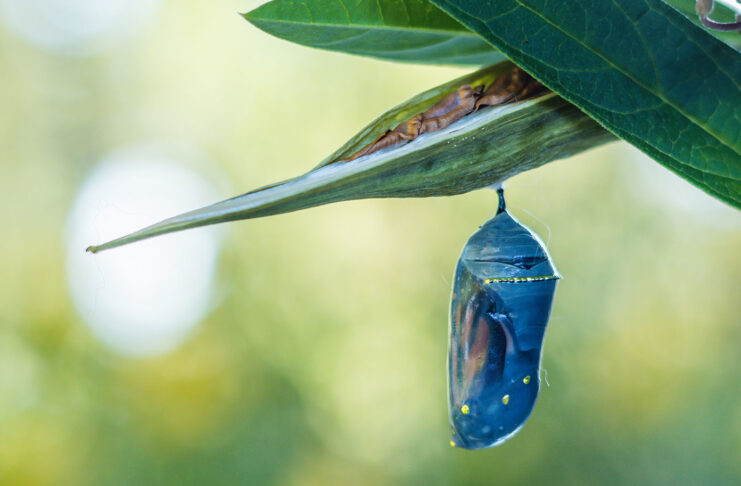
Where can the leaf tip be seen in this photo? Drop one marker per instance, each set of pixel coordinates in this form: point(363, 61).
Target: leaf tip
point(253, 14)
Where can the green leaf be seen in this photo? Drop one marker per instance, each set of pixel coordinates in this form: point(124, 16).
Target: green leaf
point(479, 150)
point(639, 67)
point(399, 30)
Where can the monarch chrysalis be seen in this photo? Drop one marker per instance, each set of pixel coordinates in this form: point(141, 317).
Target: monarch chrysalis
point(502, 295)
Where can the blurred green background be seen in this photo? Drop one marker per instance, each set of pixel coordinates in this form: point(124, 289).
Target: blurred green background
point(319, 354)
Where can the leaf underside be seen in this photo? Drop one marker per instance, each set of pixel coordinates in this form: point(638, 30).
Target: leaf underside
point(639, 68)
point(399, 30)
point(481, 149)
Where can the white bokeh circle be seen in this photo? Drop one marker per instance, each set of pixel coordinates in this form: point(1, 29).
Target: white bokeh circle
point(76, 27)
point(144, 298)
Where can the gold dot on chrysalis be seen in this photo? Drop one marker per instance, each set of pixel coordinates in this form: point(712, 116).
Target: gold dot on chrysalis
point(465, 409)
point(526, 380)
point(505, 399)
point(452, 444)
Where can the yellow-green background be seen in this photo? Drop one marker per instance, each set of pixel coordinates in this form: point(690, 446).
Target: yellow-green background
point(324, 362)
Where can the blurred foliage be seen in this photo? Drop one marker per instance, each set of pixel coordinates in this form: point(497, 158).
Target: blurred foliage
point(323, 359)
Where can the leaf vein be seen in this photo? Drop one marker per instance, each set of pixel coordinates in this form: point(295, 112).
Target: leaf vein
point(630, 76)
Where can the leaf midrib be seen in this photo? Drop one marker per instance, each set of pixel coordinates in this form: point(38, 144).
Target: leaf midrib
point(626, 74)
point(460, 33)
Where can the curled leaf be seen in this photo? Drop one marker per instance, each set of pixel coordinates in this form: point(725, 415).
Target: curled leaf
point(481, 149)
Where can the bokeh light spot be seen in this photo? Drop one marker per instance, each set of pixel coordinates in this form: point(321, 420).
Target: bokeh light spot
point(145, 298)
point(76, 27)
